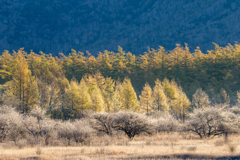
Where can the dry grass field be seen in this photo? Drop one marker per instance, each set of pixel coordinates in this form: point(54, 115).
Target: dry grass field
point(160, 146)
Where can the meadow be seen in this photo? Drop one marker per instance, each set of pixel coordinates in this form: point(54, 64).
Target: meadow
point(159, 146)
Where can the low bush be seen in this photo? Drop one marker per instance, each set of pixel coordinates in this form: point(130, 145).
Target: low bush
point(103, 122)
point(133, 123)
point(39, 127)
point(83, 131)
point(78, 131)
point(213, 121)
point(11, 126)
point(167, 124)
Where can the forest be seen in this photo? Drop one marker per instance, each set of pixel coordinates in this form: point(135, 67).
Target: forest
point(161, 99)
point(155, 81)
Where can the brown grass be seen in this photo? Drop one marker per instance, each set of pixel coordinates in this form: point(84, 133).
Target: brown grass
point(122, 148)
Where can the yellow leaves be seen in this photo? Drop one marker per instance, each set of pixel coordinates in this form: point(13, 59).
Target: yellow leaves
point(97, 101)
point(4, 74)
point(129, 96)
point(24, 85)
point(179, 103)
point(146, 99)
point(169, 88)
point(160, 98)
point(77, 96)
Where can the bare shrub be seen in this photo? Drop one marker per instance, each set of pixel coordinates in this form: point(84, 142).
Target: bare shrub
point(103, 122)
point(83, 131)
point(11, 126)
point(212, 121)
point(3, 128)
point(39, 126)
point(167, 124)
point(132, 123)
point(85, 114)
point(78, 131)
point(65, 131)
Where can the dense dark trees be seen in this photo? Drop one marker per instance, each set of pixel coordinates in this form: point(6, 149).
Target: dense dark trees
point(56, 26)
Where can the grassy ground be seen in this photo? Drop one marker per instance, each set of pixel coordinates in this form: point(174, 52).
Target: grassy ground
point(161, 146)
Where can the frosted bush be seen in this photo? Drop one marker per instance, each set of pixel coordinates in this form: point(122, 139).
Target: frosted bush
point(79, 131)
point(103, 122)
point(213, 121)
point(83, 131)
point(133, 123)
point(39, 129)
point(11, 126)
point(167, 124)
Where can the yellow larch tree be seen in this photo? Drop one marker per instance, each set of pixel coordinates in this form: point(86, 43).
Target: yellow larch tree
point(146, 99)
point(108, 93)
point(180, 105)
point(97, 100)
point(160, 100)
point(77, 97)
point(170, 89)
point(24, 85)
point(129, 96)
point(116, 102)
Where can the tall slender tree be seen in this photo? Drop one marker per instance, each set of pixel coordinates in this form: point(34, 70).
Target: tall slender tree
point(160, 99)
point(97, 100)
point(129, 96)
point(146, 99)
point(23, 84)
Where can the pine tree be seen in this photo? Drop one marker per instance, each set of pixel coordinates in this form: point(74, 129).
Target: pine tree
point(160, 99)
point(146, 99)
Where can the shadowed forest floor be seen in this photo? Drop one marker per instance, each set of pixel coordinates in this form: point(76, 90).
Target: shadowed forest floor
point(161, 146)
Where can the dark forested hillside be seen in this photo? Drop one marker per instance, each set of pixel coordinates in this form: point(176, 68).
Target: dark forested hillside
point(95, 25)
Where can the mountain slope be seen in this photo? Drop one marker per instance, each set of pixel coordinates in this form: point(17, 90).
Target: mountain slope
point(97, 25)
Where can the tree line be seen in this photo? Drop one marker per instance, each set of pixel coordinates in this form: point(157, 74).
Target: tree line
point(158, 80)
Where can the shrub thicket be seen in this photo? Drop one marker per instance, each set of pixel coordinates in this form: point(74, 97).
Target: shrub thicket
point(212, 121)
point(37, 128)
